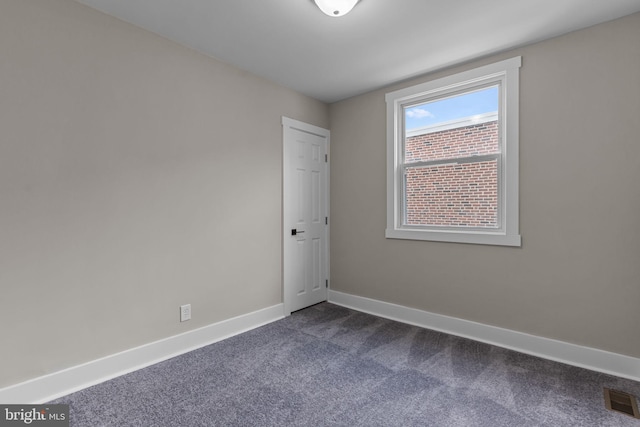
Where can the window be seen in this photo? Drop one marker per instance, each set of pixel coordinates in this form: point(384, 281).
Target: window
point(452, 158)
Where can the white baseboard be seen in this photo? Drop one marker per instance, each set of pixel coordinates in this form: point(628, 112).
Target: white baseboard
point(559, 351)
point(61, 383)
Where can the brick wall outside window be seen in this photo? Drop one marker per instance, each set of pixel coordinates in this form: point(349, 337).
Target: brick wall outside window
point(462, 195)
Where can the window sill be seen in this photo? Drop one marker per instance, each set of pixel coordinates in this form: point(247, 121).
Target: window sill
point(471, 237)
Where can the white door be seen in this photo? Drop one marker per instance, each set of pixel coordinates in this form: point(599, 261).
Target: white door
point(305, 214)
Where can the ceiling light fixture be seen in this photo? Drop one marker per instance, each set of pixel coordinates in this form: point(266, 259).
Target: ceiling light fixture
point(336, 8)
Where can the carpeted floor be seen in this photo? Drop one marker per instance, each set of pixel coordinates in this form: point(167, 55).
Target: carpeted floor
point(331, 366)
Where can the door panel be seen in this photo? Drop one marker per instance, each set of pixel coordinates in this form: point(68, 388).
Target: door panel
point(305, 210)
point(316, 251)
point(299, 268)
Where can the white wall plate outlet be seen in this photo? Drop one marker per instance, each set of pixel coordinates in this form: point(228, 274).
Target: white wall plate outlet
point(185, 312)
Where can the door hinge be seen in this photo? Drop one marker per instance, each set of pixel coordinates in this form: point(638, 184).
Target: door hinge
point(326, 283)
point(326, 220)
point(326, 158)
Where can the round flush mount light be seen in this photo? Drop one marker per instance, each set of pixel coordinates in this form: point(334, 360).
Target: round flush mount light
point(336, 8)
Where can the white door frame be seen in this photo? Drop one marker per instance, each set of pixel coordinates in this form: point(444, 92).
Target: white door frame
point(287, 125)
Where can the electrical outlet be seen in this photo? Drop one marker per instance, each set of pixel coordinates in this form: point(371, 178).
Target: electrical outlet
point(185, 312)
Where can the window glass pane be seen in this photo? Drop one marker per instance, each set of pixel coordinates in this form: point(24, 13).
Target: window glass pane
point(452, 195)
point(457, 126)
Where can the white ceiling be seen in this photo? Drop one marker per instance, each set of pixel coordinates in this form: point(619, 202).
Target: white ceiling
point(380, 42)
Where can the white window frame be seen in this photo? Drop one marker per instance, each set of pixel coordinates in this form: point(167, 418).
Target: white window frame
point(506, 74)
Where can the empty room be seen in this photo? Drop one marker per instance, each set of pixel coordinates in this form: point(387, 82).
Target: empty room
point(319, 212)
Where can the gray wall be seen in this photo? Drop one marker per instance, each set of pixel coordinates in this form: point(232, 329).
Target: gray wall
point(135, 175)
point(577, 276)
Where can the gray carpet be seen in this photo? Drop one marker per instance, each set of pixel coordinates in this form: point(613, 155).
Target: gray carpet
point(331, 366)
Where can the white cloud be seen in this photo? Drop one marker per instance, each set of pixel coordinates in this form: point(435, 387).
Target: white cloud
point(419, 113)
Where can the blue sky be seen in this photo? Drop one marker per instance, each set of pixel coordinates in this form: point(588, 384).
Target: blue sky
point(465, 105)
